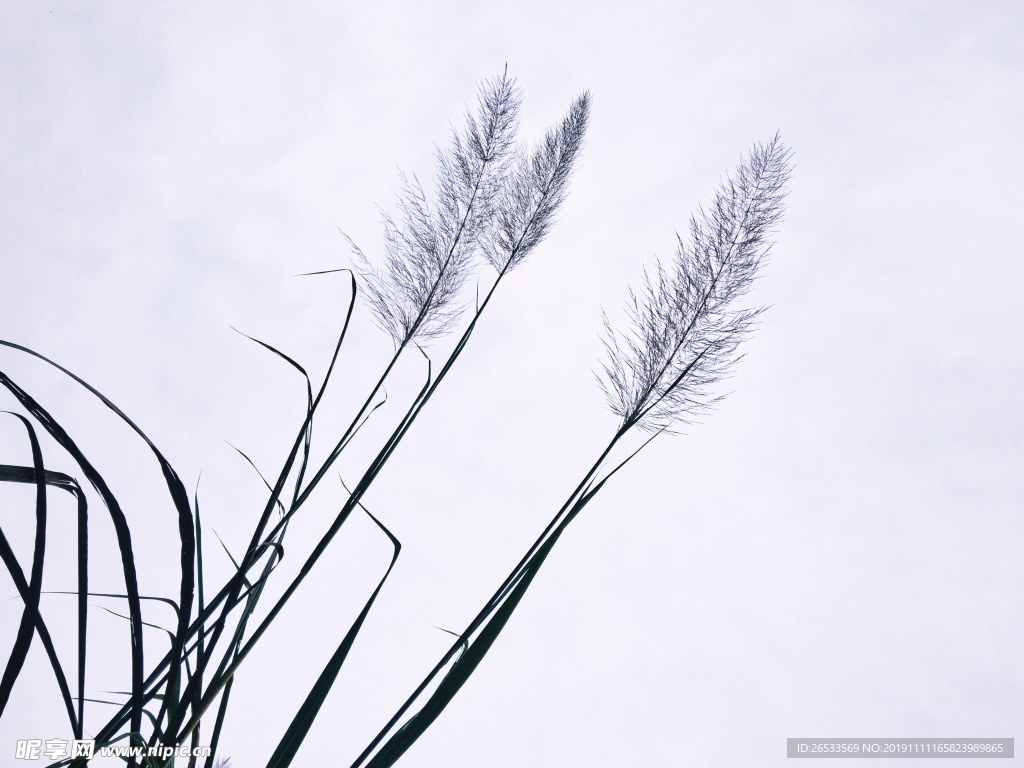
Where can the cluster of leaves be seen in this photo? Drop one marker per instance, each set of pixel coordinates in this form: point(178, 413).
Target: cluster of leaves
point(495, 199)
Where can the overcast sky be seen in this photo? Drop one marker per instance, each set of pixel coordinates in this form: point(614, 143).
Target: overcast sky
point(836, 551)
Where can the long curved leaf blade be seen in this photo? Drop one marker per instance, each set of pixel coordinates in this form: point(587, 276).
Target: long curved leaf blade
point(17, 474)
point(178, 496)
point(23, 640)
point(303, 720)
point(121, 529)
point(467, 662)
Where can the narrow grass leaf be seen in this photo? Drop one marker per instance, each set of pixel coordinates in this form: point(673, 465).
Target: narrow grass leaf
point(303, 720)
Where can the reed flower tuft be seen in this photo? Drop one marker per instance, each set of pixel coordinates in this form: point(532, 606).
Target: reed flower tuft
point(429, 248)
point(684, 323)
point(536, 187)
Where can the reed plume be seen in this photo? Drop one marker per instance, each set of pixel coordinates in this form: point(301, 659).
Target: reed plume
point(429, 249)
point(684, 325)
point(534, 190)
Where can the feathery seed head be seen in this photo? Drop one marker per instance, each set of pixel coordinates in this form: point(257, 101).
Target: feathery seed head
point(428, 249)
point(684, 327)
point(536, 187)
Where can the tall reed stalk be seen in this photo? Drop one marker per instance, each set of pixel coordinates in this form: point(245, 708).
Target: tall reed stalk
point(494, 201)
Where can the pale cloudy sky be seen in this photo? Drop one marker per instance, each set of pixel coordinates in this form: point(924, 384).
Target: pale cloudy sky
point(835, 552)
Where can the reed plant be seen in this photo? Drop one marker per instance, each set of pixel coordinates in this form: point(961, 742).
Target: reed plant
point(493, 201)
